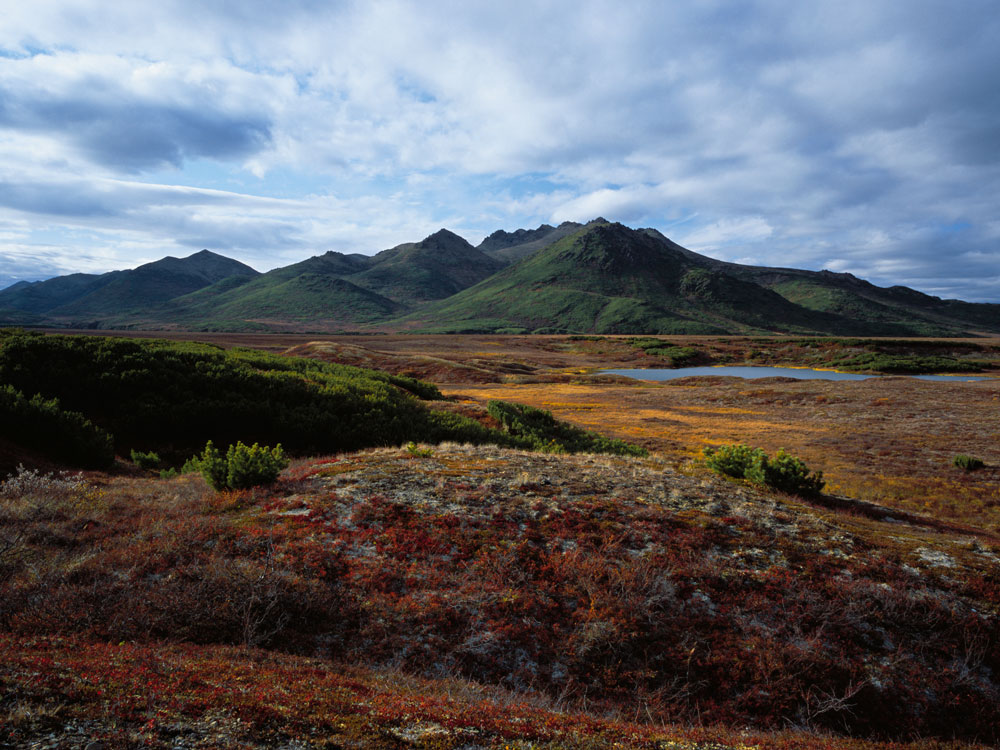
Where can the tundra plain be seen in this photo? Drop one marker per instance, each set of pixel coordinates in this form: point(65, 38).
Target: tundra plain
point(467, 597)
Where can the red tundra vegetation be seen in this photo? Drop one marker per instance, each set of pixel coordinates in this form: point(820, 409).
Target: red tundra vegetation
point(479, 597)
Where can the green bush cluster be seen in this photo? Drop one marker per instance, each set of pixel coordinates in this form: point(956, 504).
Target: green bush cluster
point(417, 452)
point(903, 363)
point(537, 429)
point(40, 424)
point(969, 463)
point(242, 467)
point(783, 472)
point(148, 461)
point(678, 356)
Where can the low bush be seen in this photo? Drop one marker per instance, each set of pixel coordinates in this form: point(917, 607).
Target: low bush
point(33, 483)
point(148, 461)
point(733, 460)
point(783, 472)
point(168, 398)
point(242, 467)
point(417, 452)
point(969, 463)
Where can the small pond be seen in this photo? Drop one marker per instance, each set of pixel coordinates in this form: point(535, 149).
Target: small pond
point(771, 372)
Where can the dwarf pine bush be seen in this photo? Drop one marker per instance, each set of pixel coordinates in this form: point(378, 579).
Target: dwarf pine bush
point(733, 460)
point(783, 472)
point(969, 463)
point(149, 461)
point(242, 467)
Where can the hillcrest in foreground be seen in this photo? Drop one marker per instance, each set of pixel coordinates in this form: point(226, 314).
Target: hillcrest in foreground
point(615, 586)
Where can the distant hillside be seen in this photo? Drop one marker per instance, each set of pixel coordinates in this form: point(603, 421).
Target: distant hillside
point(884, 308)
point(334, 291)
point(45, 296)
point(600, 277)
point(434, 268)
point(607, 278)
point(83, 295)
point(269, 301)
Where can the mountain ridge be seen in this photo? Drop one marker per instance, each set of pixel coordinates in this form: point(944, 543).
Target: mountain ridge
point(598, 277)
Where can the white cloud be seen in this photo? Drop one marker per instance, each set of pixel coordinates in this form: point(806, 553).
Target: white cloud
point(748, 229)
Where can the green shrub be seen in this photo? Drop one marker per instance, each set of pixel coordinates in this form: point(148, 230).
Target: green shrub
point(733, 460)
point(42, 425)
point(417, 452)
point(783, 472)
point(212, 466)
point(242, 467)
point(790, 474)
point(253, 465)
point(191, 466)
point(969, 463)
point(148, 461)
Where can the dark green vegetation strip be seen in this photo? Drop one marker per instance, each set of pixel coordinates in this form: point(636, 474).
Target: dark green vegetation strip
point(909, 357)
point(66, 436)
point(171, 397)
point(537, 429)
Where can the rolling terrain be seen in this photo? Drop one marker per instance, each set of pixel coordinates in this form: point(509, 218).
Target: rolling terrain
point(601, 277)
point(452, 595)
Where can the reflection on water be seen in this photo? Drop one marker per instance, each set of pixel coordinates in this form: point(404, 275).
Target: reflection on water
point(769, 372)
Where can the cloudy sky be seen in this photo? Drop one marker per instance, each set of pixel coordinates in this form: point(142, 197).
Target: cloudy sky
point(853, 135)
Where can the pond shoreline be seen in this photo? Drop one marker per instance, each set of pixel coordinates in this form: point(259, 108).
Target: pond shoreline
point(749, 372)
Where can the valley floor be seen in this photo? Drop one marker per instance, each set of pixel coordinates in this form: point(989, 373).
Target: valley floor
point(463, 597)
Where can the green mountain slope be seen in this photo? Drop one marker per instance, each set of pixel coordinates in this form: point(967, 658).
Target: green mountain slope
point(334, 291)
point(600, 277)
point(269, 302)
point(154, 283)
point(434, 268)
point(42, 296)
point(607, 278)
point(310, 290)
point(84, 296)
point(511, 247)
point(329, 264)
point(883, 310)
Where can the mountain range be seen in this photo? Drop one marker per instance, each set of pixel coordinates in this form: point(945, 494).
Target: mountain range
point(599, 277)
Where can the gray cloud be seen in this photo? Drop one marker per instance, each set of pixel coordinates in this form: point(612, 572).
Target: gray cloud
point(134, 136)
point(127, 117)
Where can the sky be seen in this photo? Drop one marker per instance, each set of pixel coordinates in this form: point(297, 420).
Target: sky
point(854, 135)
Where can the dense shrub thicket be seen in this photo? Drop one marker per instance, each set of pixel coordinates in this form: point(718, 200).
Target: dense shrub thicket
point(537, 429)
point(783, 472)
point(171, 397)
point(40, 424)
point(168, 398)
